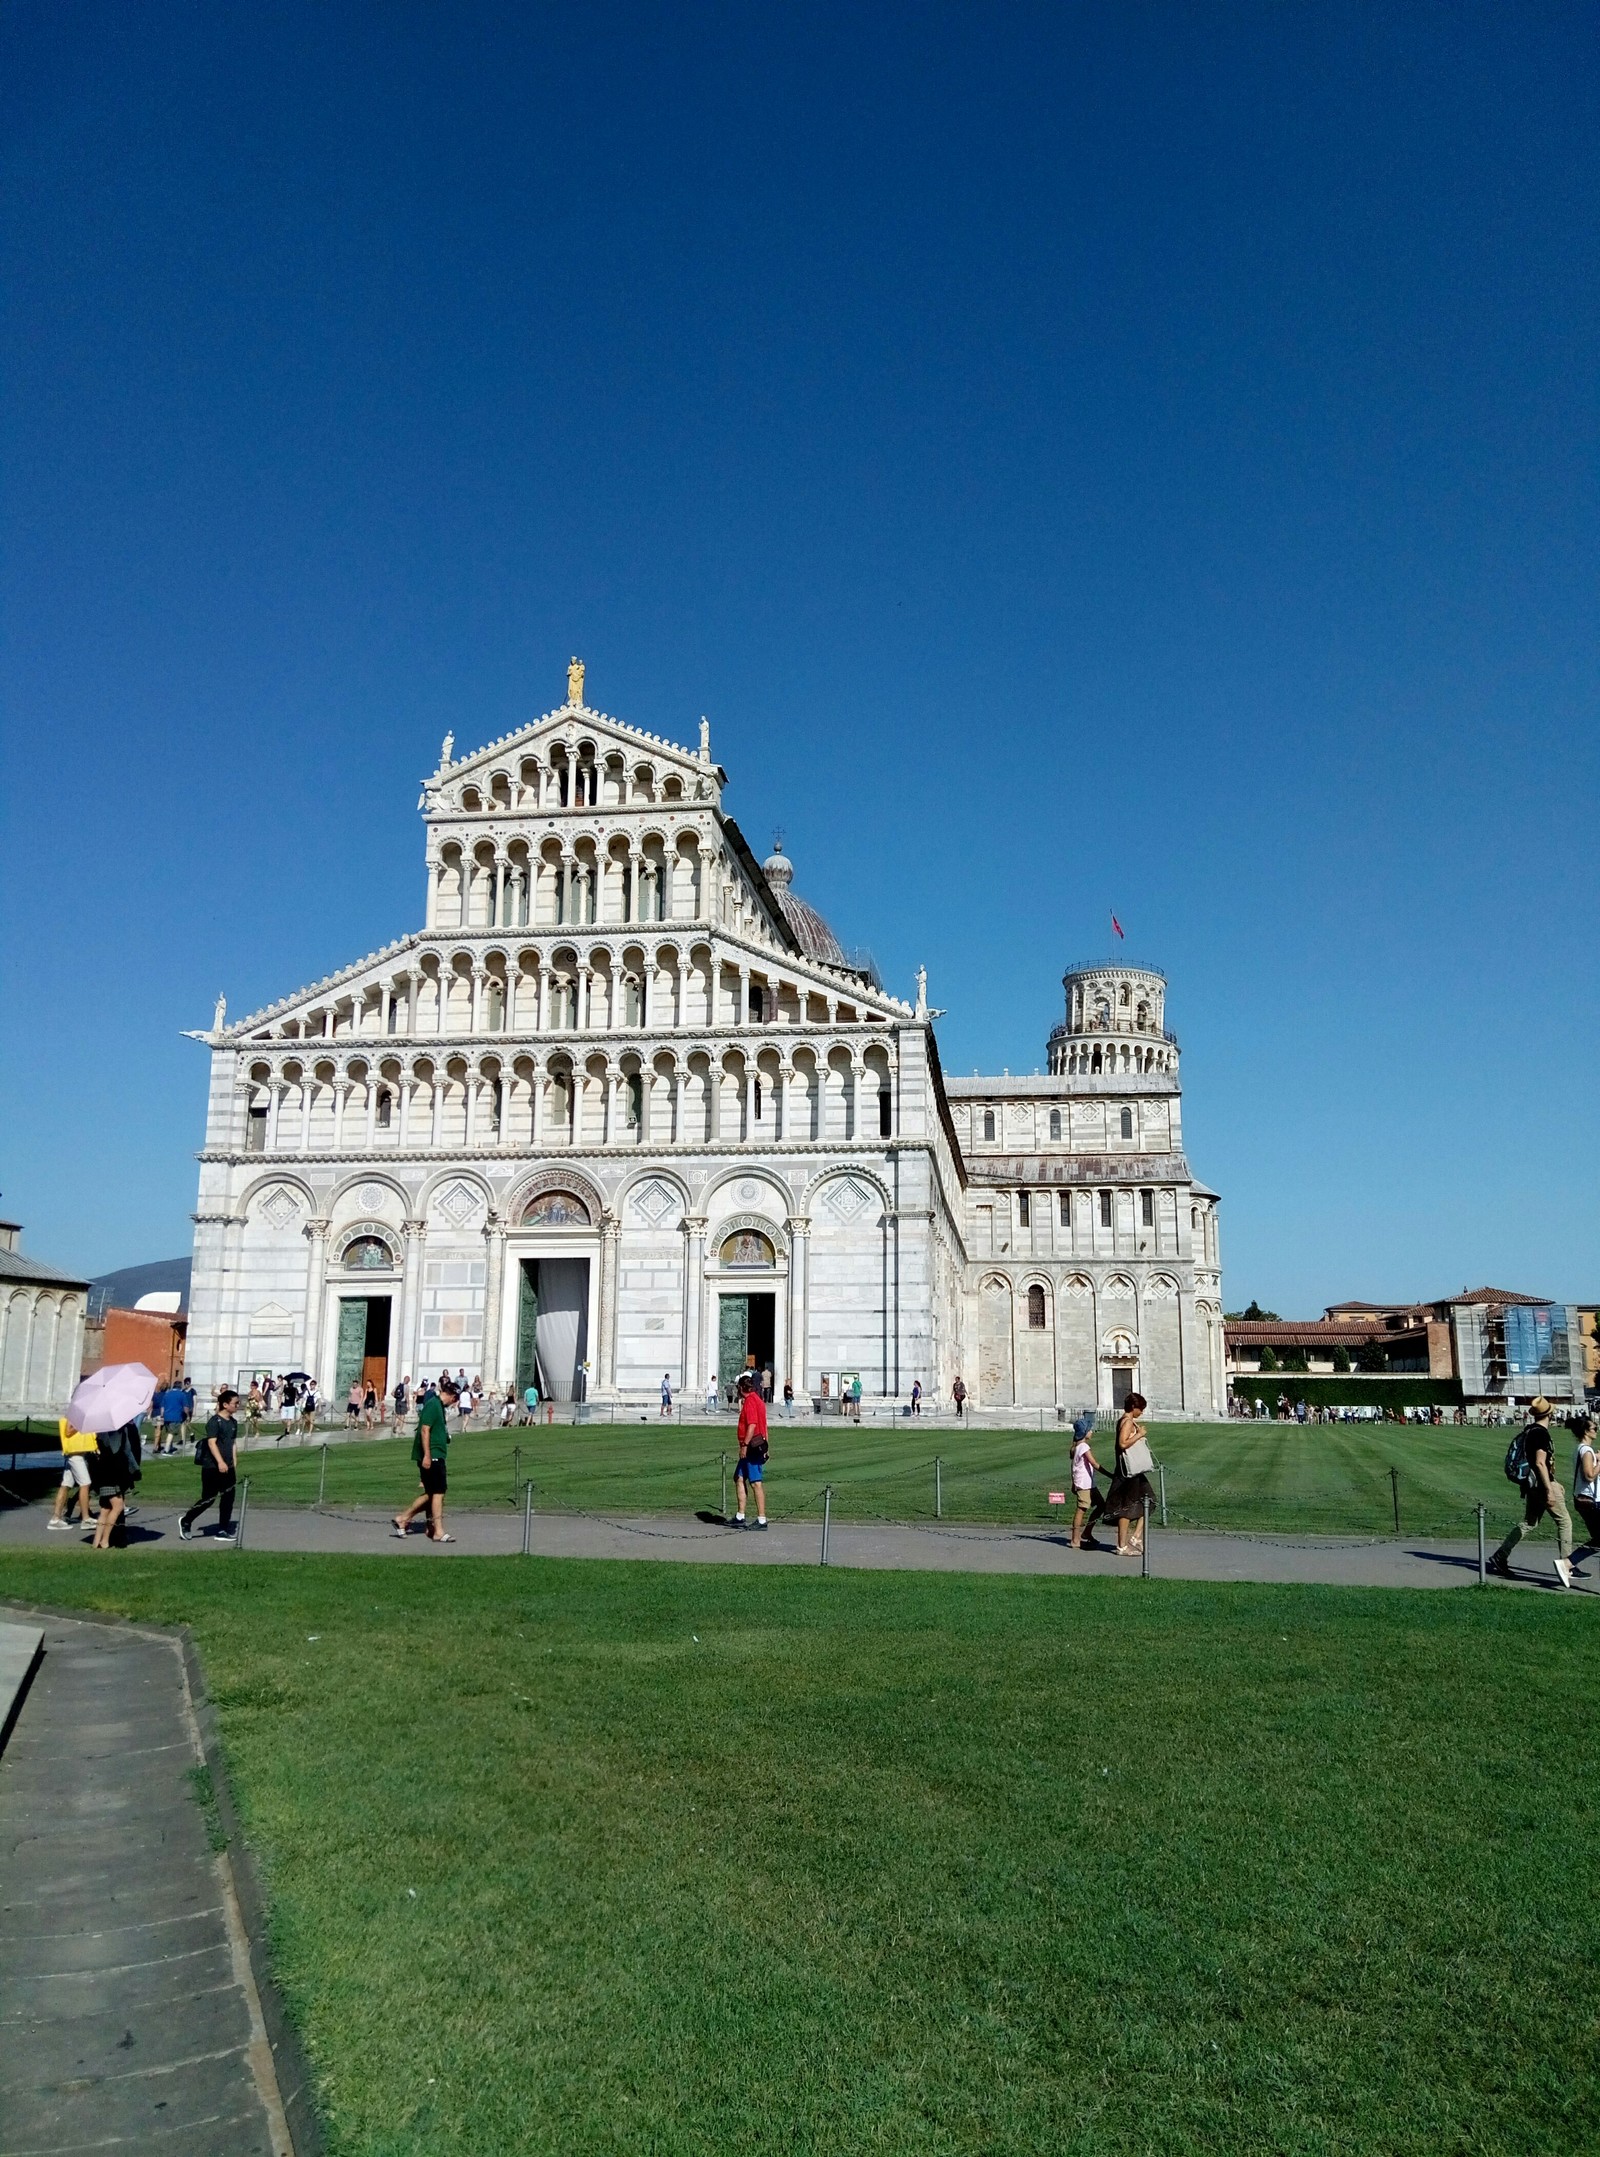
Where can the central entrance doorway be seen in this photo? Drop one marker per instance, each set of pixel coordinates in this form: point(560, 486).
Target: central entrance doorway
point(747, 1336)
point(552, 1326)
point(363, 1344)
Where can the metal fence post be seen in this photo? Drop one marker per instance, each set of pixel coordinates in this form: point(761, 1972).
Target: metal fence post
point(1394, 1487)
point(322, 1476)
point(724, 1486)
point(244, 1507)
point(516, 1469)
point(1161, 1470)
point(827, 1517)
point(938, 1488)
point(1483, 1562)
point(527, 1519)
point(1144, 1541)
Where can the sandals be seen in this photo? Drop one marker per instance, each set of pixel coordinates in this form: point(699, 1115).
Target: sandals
point(441, 1539)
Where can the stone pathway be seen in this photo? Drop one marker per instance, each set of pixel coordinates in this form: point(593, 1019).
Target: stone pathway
point(911, 1546)
point(129, 2016)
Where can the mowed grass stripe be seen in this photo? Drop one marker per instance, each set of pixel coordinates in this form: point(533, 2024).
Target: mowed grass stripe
point(1328, 1480)
point(707, 1862)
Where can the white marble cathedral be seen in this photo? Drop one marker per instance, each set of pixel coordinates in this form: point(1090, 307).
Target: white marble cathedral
point(624, 1108)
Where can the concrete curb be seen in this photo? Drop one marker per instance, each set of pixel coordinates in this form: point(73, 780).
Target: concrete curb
point(15, 1680)
point(290, 2067)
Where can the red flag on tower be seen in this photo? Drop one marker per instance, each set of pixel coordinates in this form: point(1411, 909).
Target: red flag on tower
point(1117, 925)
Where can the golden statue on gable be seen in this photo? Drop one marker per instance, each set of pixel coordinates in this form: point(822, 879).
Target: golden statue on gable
point(575, 681)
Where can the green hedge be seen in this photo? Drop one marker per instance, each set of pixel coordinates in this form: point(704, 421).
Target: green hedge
point(1349, 1390)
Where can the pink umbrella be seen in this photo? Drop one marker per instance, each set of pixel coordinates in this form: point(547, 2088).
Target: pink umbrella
point(115, 1394)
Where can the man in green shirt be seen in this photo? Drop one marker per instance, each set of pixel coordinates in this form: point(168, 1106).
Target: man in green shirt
point(428, 1450)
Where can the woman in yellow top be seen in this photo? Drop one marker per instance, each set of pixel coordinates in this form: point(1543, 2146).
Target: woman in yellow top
point(74, 1476)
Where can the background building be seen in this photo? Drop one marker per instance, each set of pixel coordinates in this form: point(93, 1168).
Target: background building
point(1489, 1346)
point(41, 1330)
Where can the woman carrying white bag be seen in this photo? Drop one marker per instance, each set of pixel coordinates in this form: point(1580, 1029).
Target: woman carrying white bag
point(1130, 1479)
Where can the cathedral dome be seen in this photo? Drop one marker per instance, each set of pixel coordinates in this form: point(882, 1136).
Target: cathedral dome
point(810, 931)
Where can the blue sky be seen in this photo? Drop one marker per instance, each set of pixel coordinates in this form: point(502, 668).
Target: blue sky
point(1138, 457)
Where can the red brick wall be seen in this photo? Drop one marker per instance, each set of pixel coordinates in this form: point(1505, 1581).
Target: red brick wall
point(152, 1338)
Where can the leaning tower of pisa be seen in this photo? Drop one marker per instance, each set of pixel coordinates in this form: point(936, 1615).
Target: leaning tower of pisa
point(1093, 1262)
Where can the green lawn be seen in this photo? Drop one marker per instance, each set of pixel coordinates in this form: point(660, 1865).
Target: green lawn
point(1222, 1475)
point(781, 1860)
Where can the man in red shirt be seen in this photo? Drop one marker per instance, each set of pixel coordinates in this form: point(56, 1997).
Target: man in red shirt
point(751, 1472)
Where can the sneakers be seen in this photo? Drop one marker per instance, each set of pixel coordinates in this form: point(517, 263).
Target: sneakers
point(185, 1532)
point(1564, 1572)
point(225, 1535)
point(60, 1527)
point(1499, 1567)
point(759, 1524)
point(737, 1521)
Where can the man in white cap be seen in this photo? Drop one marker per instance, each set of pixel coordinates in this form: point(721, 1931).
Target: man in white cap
point(1541, 1494)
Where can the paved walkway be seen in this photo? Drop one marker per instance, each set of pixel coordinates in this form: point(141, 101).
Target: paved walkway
point(129, 2017)
point(911, 1546)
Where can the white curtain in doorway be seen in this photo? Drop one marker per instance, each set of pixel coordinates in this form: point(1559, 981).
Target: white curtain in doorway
point(563, 1323)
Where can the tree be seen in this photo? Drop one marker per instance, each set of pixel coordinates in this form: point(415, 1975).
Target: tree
point(1294, 1360)
point(1255, 1314)
point(1269, 1361)
point(1370, 1357)
point(1341, 1358)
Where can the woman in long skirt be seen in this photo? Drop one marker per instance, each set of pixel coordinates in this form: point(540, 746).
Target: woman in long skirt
point(1125, 1501)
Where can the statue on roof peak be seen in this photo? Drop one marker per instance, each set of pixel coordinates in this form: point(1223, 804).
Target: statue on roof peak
point(445, 749)
point(575, 682)
point(705, 740)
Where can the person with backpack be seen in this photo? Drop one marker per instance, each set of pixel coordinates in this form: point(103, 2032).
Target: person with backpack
point(215, 1458)
point(116, 1470)
point(750, 1475)
point(1530, 1463)
point(958, 1393)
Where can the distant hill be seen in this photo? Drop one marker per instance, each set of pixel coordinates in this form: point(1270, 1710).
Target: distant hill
point(121, 1290)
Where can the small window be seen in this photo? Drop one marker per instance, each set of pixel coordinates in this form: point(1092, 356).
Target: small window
point(1194, 1216)
point(758, 1100)
point(1147, 1209)
point(885, 1114)
point(1105, 1209)
point(758, 1003)
point(1035, 1309)
point(255, 1132)
point(1055, 1123)
point(988, 1123)
point(385, 1114)
point(497, 1107)
point(635, 1111)
point(1127, 1123)
point(1064, 1200)
point(1023, 1209)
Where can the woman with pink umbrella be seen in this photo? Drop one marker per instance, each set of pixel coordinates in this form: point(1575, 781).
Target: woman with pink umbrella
point(110, 1402)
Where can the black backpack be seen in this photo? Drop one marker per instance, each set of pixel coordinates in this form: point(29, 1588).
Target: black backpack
point(1516, 1465)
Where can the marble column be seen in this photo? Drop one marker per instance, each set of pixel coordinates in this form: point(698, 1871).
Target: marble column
point(694, 1270)
point(799, 1278)
point(494, 1247)
point(404, 1355)
point(316, 1232)
point(606, 1361)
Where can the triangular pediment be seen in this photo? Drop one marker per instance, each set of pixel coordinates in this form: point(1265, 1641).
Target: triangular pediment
point(570, 725)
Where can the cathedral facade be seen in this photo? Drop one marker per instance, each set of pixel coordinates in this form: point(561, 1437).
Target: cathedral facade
point(623, 1109)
